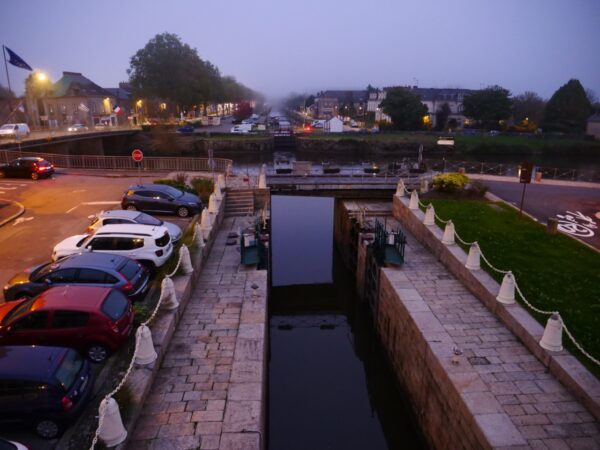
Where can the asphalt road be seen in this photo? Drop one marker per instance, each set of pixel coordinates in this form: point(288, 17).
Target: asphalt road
point(576, 208)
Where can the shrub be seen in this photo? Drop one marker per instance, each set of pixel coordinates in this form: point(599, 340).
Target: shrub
point(202, 187)
point(450, 182)
point(181, 185)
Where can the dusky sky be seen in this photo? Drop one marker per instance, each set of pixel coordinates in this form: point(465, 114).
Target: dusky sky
point(279, 46)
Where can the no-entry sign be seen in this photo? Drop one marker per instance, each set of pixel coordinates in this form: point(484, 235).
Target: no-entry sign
point(137, 155)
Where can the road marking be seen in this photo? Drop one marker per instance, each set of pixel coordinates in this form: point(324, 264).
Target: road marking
point(72, 209)
point(79, 190)
point(21, 220)
point(8, 188)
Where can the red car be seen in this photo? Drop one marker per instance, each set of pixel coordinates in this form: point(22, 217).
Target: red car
point(92, 319)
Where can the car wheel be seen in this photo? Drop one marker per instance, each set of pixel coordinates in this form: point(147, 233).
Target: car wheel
point(131, 208)
point(47, 428)
point(97, 353)
point(35, 175)
point(183, 212)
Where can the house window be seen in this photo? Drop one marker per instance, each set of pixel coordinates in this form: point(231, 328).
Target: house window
point(93, 107)
point(74, 108)
point(63, 108)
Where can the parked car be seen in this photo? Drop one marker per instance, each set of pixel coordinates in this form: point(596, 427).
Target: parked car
point(151, 246)
point(14, 130)
point(46, 387)
point(94, 320)
point(93, 269)
point(185, 129)
point(161, 198)
point(115, 216)
point(28, 166)
point(76, 127)
point(242, 128)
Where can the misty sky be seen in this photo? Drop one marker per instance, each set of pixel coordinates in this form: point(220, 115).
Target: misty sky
point(279, 46)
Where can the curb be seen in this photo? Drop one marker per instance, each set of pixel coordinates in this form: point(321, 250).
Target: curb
point(14, 216)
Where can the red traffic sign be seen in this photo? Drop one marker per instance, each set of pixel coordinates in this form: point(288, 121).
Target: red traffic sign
point(137, 155)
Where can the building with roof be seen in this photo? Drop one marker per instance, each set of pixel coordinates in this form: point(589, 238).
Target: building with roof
point(433, 98)
point(74, 99)
point(346, 103)
point(593, 126)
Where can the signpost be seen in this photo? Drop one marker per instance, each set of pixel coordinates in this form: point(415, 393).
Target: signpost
point(137, 155)
point(525, 171)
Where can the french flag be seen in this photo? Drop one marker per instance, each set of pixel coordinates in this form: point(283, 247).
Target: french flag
point(117, 109)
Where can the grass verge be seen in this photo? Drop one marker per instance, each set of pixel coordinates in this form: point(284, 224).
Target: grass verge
point(555, 273)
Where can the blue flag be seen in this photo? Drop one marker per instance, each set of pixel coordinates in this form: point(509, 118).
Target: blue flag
point(16, 60)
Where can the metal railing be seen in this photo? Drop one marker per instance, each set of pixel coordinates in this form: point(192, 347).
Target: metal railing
point(149, 163)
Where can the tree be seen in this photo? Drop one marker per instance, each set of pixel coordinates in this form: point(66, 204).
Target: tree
point(6, 93)
point(310, 100)
point(488, 106)
point(441, 116)
point(168, 69)
point(568, 109)
point(404, 108)
point(528, 109)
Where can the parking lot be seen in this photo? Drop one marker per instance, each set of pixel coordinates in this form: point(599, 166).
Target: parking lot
point(55, 209)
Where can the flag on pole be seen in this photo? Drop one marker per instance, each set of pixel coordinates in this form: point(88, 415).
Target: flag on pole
point(83, 108)
point(21, 107)
point(117, 109)
point(16, 60)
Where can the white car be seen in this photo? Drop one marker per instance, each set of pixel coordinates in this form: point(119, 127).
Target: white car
point(116, 216)
point(77, 127)
point(243, 128)
point(151, 246)
point(14, 130)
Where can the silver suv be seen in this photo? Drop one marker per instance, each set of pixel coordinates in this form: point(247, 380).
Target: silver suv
point(116, 216)
point(150, 246)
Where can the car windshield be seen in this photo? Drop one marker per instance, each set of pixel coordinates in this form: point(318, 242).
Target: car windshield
point(7, 126)
point(115, 305)
point(172, 191)
point(85, 238)
point(145, 219)
point(18, 311)
point(67, 371)
point(130, 269)
point(44, 270)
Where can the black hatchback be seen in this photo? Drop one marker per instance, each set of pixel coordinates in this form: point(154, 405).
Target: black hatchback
point(27, 167)
point(161, 198)
point(91, 268)
point(46, 387)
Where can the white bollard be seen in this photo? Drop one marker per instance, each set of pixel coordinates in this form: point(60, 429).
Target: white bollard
point(424, 185)
point(507, 290)
point(262, 181)
point(221, 181)
point(552, 338)
point(473, 257)
point(112, 432)
point(199, 236)
point(218, 193)
point(186, 261)
point(448, 237)
point(213, 207)
point(205, 223)
point(400, 188)
point(429, 218)
point(146, 353)
point(414, 200)
point(168, 295)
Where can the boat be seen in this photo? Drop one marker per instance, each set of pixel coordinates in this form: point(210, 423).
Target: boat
point(329, 168)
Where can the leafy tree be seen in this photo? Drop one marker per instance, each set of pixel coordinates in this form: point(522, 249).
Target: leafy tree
point(243, 111)
point(488, 106)
point(568, 109)
point(528, 109)
point(310, 100)
point(404, 108)
point(36, 86)
point(370, 89)
point(441, 116)
point(6, 93)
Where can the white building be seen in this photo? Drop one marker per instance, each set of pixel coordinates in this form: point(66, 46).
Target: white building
point(334, 125)
point(433, 98)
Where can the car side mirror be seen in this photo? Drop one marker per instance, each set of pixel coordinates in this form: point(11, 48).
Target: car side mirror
point(88, 248)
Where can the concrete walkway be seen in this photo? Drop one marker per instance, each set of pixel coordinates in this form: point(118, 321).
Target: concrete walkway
point(515, 401)
point(209, 391)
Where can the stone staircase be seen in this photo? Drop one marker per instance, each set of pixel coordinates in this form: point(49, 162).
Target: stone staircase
point(239, 202)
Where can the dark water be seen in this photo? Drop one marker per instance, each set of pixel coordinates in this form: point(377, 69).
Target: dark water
point(330, 386)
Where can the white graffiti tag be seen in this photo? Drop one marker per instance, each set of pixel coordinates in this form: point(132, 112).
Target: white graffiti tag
point(577, 224)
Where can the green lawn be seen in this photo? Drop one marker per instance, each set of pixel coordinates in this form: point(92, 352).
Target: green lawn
point(555, 273)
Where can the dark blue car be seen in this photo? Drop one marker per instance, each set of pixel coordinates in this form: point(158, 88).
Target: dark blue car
point(161, 198)
point(185, 129)
point(46, 387)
